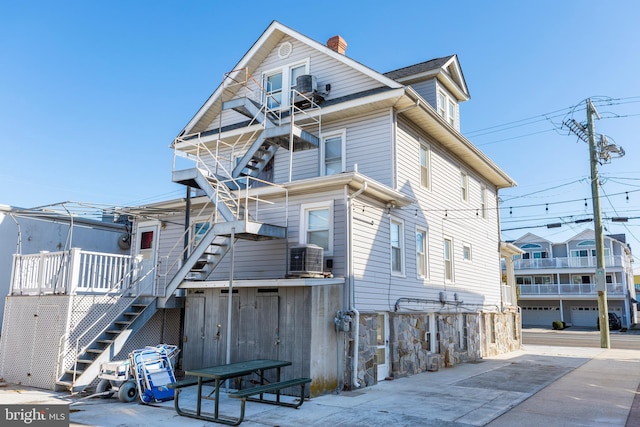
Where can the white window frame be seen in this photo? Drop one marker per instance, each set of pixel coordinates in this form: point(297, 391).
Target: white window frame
point(323, 161)
point(483, 202)
point(591, 252)
point(442, 104)
point(463, 331)
point(467, 254)
point(451, 112)
point(424, 157)
point(448, 259)
point(199, 229)
point(446, 107)
point(422, 254)
point(464, 186)
point(304, 222)
point(401, 246)
point(285, 71)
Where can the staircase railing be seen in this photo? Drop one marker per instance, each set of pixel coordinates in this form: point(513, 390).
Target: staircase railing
point(179, 251)
point(64, 351)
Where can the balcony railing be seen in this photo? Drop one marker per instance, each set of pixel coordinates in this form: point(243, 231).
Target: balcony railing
point(570, 262)
point(72, 272)
point(569, 289)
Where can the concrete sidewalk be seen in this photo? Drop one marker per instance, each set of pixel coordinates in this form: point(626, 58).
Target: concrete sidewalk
point(538, 385)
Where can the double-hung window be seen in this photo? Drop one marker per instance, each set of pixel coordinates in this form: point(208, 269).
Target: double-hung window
point(451, 113)
point(442, 102)
point(273, 88)
point(316, 226)
point(446, 107)
point(464, 186)
point(397, 246)
point(448, 259)
point(425, 166)
point(332, 153)
point(278, 83)
point(421, 253)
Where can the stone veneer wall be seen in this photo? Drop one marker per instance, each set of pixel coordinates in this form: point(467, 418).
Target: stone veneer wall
point(408, 347)
point(368, 350)
point(454, 352)
point(507, 335)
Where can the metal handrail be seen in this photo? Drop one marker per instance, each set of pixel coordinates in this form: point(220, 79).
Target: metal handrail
point(77, 346)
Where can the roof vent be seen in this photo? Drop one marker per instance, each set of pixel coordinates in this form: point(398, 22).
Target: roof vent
point(285, 50)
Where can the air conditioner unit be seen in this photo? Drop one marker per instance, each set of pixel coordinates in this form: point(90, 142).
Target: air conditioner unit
point(306, 259)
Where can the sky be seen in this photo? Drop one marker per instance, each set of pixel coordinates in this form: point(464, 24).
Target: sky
point(92, 93)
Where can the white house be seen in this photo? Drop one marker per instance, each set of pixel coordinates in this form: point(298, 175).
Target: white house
point(335, 217)
point(556, 281)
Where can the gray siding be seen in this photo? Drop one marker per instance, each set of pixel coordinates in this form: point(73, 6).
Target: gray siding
point(343, 79)
point(427, 90)
point(268, 259)
point(441, 211)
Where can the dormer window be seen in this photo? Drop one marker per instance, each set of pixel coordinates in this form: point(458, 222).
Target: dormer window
point(446, 108)
point(451, 113)
point(442, 102)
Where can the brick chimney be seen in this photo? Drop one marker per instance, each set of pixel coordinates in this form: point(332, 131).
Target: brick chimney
point(338, 44)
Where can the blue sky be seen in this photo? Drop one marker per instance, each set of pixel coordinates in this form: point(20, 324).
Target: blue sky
point(93, 92)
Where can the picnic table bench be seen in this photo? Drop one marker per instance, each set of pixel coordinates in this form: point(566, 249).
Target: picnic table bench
point(219, 374)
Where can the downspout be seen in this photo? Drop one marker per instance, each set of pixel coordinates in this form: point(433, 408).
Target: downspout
point(352, 307)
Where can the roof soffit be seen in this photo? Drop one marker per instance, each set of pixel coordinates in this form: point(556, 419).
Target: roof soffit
point(430, 121)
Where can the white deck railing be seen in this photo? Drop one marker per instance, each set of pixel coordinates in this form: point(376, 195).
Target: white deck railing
point(72, 272)
point(564, 262)
point(569, 289)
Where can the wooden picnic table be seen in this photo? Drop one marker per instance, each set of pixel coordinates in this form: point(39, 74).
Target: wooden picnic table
point(219, 374)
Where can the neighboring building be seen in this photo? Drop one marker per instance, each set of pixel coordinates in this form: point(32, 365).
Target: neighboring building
point(557, 281)
point(31, 231)
point(335, 217)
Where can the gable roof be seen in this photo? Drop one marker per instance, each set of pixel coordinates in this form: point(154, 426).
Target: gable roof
point(446, 69)
point(530, 238)
point(391, 93)
point(256, 55)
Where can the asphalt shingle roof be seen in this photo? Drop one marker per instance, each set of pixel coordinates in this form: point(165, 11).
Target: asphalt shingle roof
point(418, 68)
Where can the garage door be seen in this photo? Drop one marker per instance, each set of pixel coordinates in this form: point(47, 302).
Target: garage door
point(584, 316)
point(540, 315)
point(588, 315)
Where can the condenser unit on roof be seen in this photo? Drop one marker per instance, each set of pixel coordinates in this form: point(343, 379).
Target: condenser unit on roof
point(306, 259)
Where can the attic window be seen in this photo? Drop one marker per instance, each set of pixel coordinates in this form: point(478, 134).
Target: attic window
point(285, 50)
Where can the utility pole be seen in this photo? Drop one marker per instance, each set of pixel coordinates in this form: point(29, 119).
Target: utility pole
point(598, 152)
point(601, 283)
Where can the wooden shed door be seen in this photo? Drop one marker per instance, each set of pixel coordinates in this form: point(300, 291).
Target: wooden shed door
point(194, 332)
point(259, 332)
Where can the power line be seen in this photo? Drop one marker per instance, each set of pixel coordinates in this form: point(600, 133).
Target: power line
point(567, 112)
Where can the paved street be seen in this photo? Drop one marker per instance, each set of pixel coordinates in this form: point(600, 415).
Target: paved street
point(580, 337)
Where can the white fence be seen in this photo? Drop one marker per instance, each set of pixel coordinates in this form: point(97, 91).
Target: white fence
point(72, 272)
